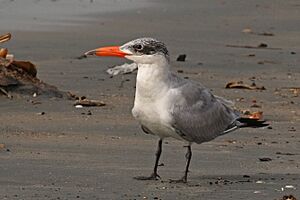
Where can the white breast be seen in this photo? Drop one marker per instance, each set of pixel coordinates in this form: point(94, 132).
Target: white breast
point(156, 117)
point(153, 101)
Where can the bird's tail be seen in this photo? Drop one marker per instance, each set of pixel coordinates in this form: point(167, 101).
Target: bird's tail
point(244, 122)
point(253, 123)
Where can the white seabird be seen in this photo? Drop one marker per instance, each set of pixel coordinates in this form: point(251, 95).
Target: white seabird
point(167, 105)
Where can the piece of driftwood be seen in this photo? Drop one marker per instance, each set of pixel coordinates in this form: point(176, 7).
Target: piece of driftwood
point(241, 85)
point(260, 46)
point(83, 101)
point(19, 78)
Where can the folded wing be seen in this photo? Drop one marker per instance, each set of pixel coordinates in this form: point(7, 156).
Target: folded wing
point(198, 116)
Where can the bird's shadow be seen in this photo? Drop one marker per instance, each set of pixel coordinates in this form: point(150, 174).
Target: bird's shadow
point(223, 180)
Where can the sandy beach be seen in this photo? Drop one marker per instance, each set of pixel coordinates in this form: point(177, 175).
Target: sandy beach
point(93, 152)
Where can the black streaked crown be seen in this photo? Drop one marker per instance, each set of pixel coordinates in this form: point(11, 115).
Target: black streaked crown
point(147, 46)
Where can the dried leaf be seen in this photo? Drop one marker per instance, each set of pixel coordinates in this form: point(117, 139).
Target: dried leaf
point(26, 66)
point(3, 52)
point(256, 115)
point(5, 37)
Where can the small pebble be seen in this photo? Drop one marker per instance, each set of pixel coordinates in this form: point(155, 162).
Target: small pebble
point(259, 182)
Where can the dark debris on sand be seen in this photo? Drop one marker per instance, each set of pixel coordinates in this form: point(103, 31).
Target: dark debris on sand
point(19, 78)
point(181, 58)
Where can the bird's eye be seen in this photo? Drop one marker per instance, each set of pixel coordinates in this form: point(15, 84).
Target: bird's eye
point(138, 47)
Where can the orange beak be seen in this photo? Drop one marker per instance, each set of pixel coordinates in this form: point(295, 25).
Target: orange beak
point(107, 51)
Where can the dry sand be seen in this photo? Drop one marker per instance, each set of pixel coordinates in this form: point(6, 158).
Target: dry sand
point(68, 154)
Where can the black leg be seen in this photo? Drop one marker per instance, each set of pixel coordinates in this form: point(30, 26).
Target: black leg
point(154, 175)
point(188, 157)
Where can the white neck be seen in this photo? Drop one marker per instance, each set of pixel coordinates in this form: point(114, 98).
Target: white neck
point(152, 80)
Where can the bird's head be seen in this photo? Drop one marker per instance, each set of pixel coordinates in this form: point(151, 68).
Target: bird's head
point(141, 51)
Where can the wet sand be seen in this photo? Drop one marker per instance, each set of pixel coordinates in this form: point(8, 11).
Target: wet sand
point(68, 154)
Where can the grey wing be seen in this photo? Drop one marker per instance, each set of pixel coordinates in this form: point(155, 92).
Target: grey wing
point(198, 116)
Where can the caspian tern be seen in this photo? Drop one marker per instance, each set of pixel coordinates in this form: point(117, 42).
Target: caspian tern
point(167, 105)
